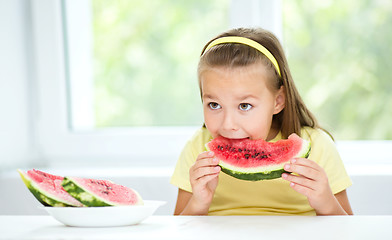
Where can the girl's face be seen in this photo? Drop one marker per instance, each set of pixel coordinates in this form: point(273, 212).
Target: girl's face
point(238, 104)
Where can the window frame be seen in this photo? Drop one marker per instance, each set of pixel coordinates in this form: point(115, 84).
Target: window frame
point(59, 145)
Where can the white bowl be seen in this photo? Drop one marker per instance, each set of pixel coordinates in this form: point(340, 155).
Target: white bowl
point(104, 216)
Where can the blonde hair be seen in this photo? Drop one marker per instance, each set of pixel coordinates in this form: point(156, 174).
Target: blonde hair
point(295, 114)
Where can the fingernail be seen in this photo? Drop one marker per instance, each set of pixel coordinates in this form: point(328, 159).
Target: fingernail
point(210, 153)
point(217, 168)
point(293, 160)
point(215, 160)
point(287, 167)
point(284, 175)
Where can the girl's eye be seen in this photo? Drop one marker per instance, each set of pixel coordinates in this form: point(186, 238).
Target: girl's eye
point(245, 106)
point(214, 105)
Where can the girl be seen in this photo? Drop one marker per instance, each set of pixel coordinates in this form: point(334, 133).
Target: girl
point(248, 92)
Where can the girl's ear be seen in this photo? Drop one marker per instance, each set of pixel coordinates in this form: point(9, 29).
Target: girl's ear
point(280, 100)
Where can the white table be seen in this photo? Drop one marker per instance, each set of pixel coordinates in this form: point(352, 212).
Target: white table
point(204, 227)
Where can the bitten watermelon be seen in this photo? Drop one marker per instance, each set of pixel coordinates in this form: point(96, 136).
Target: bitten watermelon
point(99, 193)
point(47, 189)
point(255, 160)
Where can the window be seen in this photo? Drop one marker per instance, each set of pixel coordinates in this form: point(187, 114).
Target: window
point(133, 63)
point(99, 74)
point(92, 57)
point(339, 54)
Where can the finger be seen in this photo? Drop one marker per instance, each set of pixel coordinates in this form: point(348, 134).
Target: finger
point(305, 171)
point(205, 171)
point(206, 154)
point(204, 180)
point(301, 189)
point(205, 162)
point(303, 181)
point(305, 162)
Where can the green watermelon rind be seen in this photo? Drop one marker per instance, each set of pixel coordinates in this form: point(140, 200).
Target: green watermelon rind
point(83, 195)
point(41, 195)
point(262, 173)
point(254, 176)
point(87, 197)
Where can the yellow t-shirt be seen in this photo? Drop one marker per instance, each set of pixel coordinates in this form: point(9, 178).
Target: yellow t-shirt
point(268, 197)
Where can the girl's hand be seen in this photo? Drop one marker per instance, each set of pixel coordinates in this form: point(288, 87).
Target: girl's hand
point(204, 179)
point(313, 183)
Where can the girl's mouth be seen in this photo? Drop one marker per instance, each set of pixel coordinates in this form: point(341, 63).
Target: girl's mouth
point(235, 138)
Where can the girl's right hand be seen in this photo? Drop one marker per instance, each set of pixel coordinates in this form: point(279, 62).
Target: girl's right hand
point(204, 179)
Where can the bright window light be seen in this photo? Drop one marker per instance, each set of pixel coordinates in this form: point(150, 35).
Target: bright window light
point(339, 54)
point(133, 63)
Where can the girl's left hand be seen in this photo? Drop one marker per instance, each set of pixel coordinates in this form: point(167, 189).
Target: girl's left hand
point(312, 181)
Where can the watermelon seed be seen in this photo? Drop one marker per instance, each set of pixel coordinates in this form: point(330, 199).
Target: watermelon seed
point(239, 150)
point(246, 156)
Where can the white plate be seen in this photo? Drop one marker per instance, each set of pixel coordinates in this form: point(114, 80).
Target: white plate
point(104, 216)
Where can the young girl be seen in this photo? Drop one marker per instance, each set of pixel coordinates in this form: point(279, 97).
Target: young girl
point(248, 92)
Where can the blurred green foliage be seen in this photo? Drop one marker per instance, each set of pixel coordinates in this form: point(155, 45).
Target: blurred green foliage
point(145, 59)
point(340, 55)
point(339, 52)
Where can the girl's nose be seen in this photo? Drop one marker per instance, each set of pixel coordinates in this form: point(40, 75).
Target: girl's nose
point(229, 122)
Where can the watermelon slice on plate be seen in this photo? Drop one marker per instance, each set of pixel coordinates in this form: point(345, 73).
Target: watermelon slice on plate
point(255, 160)
point(47, 189)
point(100, 193)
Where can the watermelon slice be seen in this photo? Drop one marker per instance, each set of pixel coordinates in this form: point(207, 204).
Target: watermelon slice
point(255, 160)
point(47, 189)
point(100, 193)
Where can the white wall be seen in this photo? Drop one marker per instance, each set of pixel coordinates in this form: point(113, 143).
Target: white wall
point(15, 55)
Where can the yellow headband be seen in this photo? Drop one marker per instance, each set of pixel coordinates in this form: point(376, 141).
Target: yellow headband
point(248, 42)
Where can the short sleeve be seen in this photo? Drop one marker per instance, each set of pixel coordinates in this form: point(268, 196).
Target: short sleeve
point(180, 177)
point(324, 152)
point(192, 149)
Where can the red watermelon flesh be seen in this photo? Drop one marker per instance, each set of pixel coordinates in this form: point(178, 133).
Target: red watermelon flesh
point(47, 188)
point(257, 159)
point(93, 192)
